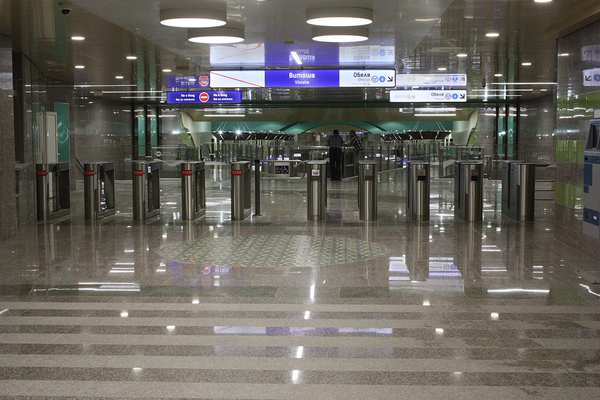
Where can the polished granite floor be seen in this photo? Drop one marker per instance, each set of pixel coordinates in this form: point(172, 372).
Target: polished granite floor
point(276, 307)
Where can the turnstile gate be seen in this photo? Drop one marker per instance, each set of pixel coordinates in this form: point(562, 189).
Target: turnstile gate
point(193, 195)
point(146, 190)
point(367, 190)
point(317, 190)
point(518, 190)
point(418, 192)
point(52, 190)
point(99, 190)
point(468, 190)
point(241, 200)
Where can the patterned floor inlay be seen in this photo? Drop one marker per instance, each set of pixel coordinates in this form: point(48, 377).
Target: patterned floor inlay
point(272, 251)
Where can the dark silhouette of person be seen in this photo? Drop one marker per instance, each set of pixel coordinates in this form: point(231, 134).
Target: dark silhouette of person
point(335, 143)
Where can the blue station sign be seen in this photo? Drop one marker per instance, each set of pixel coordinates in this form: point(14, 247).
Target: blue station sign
point(204, 97)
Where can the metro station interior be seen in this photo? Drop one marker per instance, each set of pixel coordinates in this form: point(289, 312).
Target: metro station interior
point(169, 227)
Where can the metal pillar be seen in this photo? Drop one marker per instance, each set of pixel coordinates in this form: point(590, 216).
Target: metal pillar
point(367, 190)
point(418, 193)
point(317, 190)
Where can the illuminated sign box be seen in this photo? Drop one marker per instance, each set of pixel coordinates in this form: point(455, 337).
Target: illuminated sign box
point(279, 54)
point(207, 97)
point(432, 80)
point(428, 96)
point(184, 82)
point(382, 78)
point(591, 77)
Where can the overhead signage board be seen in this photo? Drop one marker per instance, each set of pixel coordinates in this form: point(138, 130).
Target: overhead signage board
point(367, 55)
point(431, 80)
point(301, 78)
point(239, 54)
point(368, 78)
point(304, 78)
point(207, 97)
point(280, 54)
point(237, 79)
point(591, 77)
point(428, 96)
point(187, 81)
point(590, 53)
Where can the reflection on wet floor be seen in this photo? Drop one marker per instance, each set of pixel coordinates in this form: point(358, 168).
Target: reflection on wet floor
point(279, 307)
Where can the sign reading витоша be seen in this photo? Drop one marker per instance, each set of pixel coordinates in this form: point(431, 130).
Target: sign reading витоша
point(381, 78)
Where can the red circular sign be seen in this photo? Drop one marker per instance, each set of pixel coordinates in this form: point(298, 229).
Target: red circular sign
point(204, 97)
point(204, 81)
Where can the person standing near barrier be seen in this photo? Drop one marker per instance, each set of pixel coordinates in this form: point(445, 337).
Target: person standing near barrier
point(335, 143)
point(356, 142)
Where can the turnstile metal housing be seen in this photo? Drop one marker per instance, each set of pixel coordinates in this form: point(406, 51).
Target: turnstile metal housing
point(241, 200)
point(418, 192)
point(193, 194)
point(506, 184)
point(519, 191)
point(99, 190)
point(52, 190)
point(317, 190)
point(468, 190)
point(367, 190)
point(146, 190)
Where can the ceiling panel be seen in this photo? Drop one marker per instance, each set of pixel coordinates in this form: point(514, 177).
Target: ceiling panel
point(425, 34)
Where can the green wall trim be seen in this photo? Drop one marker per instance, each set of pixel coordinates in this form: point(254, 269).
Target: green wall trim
point(569, 195)
point(570, 151)
point(580, 106)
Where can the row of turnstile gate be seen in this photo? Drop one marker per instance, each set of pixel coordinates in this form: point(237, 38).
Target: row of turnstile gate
point(518, 190)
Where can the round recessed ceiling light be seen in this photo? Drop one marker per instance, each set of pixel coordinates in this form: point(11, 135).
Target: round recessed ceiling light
point(340, 34)
point(131, 57)
point(192, 16)
point(462, 55)
point(77, 38)
point(339, 16)
point(233, 32)
point(492, 34)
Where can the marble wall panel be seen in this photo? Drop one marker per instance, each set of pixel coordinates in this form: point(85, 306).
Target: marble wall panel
point(8, 220)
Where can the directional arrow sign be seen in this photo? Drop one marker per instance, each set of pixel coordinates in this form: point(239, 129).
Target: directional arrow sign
point(591, 77)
